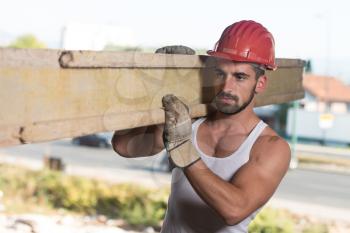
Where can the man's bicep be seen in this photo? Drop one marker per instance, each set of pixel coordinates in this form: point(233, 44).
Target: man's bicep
point(261, 175)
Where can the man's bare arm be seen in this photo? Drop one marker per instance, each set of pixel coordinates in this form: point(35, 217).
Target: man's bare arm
point(252, 185)
point(138, 142)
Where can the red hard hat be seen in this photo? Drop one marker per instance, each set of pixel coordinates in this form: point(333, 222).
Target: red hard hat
point(246, 41)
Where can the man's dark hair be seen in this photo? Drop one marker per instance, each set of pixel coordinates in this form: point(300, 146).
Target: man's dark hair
point(259, 70)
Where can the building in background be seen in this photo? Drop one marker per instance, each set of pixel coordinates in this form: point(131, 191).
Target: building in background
point(324, 113)
point(325, 94)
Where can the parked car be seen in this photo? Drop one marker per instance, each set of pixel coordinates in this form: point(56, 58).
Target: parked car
point(94, 140)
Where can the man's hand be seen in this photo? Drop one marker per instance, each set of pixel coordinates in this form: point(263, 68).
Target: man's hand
point(177, 132)
point(178, 126)
point(176, 49)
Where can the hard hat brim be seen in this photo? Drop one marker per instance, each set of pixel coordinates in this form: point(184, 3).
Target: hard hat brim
point(233, 57)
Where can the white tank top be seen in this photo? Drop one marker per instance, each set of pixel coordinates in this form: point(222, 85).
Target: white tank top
point(187, 212)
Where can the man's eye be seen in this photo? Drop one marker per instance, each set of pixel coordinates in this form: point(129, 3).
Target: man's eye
point(240, 78)
point(220, 75)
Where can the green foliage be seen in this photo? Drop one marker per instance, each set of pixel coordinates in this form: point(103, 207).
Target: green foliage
point(144, 207)
point(272, 221)
point(27, 41)
point(132, 203)
point(138, 206)
point(278, 221)
point(316, 228)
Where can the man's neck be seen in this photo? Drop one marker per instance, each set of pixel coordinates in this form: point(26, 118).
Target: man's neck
point(246, 119)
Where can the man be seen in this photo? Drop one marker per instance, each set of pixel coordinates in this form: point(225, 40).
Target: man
point(230, 163)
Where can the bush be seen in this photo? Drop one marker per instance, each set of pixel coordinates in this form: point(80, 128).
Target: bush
point(138, 206)
point(144, 207)
point(272, 221)
point(321, 228)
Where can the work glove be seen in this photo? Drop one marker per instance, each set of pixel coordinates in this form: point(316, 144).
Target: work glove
point(177, 132)
point(178, 126)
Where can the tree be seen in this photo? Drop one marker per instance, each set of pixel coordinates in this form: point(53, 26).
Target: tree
point(27, 41)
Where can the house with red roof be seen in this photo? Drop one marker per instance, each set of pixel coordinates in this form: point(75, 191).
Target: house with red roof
point(325, 94)
point(324, 113)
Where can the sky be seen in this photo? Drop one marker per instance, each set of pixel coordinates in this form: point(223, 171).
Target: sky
point(310, 29)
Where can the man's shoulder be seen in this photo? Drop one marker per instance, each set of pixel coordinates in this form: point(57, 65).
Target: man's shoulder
point(270, 144)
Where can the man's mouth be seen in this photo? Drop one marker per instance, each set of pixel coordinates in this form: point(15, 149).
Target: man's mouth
point(226, 99)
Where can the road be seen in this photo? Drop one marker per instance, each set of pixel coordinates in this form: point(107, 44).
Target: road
point(305, 186)
point(329, 189)
point(99, 163)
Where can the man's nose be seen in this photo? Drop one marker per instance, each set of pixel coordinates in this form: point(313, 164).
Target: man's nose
point(229, 84)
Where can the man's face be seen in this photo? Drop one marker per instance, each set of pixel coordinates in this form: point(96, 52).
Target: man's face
point(235, 86)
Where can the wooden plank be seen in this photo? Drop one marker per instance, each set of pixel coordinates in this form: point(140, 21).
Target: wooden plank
point(51, 94)
point(89, 59)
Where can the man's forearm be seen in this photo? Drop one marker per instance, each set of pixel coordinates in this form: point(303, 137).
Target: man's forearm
point(136, 142)
point(122, 141)
point(226, 199)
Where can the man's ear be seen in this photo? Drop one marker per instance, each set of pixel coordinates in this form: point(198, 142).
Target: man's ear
point(261, 84)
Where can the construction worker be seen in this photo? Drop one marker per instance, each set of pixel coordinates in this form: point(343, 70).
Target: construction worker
point(229, 163)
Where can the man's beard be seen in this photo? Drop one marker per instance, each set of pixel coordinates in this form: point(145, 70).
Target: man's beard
point(234, 108)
